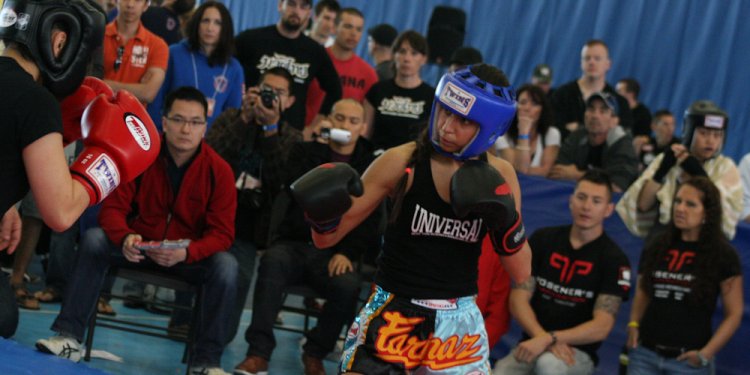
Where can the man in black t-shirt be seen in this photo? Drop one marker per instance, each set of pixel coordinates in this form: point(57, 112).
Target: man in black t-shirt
point(569, 99)
point(579, 279)
point(600, 144)
point(648, 146)
point(284, 45)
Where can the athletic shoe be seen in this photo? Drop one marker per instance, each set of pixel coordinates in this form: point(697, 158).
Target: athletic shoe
point(201, 370)
point(61, 346)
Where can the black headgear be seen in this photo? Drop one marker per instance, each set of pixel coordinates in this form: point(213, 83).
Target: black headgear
point(703, 113)
point(30, 22)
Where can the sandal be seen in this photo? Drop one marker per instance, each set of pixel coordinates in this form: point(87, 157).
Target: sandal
point(24, 299)
point(48, 295)
point(103, 307)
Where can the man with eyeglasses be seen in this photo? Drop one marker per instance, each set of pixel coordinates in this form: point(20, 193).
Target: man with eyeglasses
point(186, 194)
point(135, 59)
point(285, 45)
point(292, 259)
point(255, 143)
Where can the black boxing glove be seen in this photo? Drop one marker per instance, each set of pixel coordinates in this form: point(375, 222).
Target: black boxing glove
point(478, 188)
point(667, 162)
point(324, 194)
point(693, 167)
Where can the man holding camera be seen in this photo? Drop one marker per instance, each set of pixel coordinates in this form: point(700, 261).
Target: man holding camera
point(255, 143)
point(292, 259)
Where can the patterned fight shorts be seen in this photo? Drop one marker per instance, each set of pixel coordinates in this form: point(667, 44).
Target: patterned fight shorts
point(396, 335)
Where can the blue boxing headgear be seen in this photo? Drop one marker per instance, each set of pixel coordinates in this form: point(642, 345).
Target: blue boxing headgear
point(466, 95)
point(30, 23)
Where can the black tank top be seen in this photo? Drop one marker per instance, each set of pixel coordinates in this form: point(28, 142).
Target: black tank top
point(429, 252)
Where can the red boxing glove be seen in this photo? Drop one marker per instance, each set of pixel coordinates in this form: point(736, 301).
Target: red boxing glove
point(73, 106)
point(121, 142)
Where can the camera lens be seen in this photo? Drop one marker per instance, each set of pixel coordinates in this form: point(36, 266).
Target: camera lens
point(267, 96)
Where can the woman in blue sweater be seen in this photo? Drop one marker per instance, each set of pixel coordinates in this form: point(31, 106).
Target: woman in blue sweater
point(204, 60)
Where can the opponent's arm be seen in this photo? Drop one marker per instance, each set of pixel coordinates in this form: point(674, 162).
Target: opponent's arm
point(60, 200)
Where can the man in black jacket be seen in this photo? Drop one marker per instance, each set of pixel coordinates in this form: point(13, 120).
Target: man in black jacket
point(292, 259)
point(256, 143)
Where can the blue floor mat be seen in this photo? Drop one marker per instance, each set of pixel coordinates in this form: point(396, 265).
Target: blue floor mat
point(17, 359)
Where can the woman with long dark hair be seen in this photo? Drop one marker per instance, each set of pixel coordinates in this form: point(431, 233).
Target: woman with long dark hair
point(532, 142)
point(681, 274)
point(204, 60)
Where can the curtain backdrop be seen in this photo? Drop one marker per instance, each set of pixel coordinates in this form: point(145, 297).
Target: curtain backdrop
point(679, 50)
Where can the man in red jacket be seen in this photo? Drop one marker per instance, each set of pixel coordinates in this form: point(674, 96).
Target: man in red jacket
point(187, 194)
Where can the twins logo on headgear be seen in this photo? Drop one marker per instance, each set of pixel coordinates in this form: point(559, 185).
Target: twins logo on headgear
point(464, 94)
point(30, 22)
point(703, 113)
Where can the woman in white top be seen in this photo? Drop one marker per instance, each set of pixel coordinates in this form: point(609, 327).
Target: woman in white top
point(532, 142)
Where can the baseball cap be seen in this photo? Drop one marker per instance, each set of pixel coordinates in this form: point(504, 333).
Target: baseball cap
point(383, 34)
point(466, 56)
point(543, 73)
point(609, 100)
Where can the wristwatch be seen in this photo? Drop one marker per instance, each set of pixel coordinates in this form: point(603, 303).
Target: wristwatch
point(704, 360)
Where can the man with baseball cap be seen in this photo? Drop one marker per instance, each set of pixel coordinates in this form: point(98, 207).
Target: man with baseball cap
point(542, 77)
point(379, 40)
point(601, 143)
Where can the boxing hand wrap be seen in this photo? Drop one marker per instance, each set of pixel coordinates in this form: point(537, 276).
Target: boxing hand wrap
point(73, 106)
point(324, 194)
point(509, 240)
point(693, 167)
point(667, 162)
point(325, 227)
point(97, 172)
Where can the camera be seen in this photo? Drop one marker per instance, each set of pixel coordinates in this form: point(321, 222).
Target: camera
point(336, 135)
point(267, 96)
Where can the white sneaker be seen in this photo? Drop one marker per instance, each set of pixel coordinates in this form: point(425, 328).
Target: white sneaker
point(200, 370)
point(61, 346)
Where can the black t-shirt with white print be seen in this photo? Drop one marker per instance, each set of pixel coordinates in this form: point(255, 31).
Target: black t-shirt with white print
point(400, 113)
point(264, 48)
point(672, 318)
point(568, 281)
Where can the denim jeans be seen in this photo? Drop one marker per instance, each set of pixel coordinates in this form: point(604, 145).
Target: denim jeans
point(289, 263)
point(642, 361)
point(545, 364)
point(217, 274)
point(8, 308)
point(62, 249)
point(244, 252)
